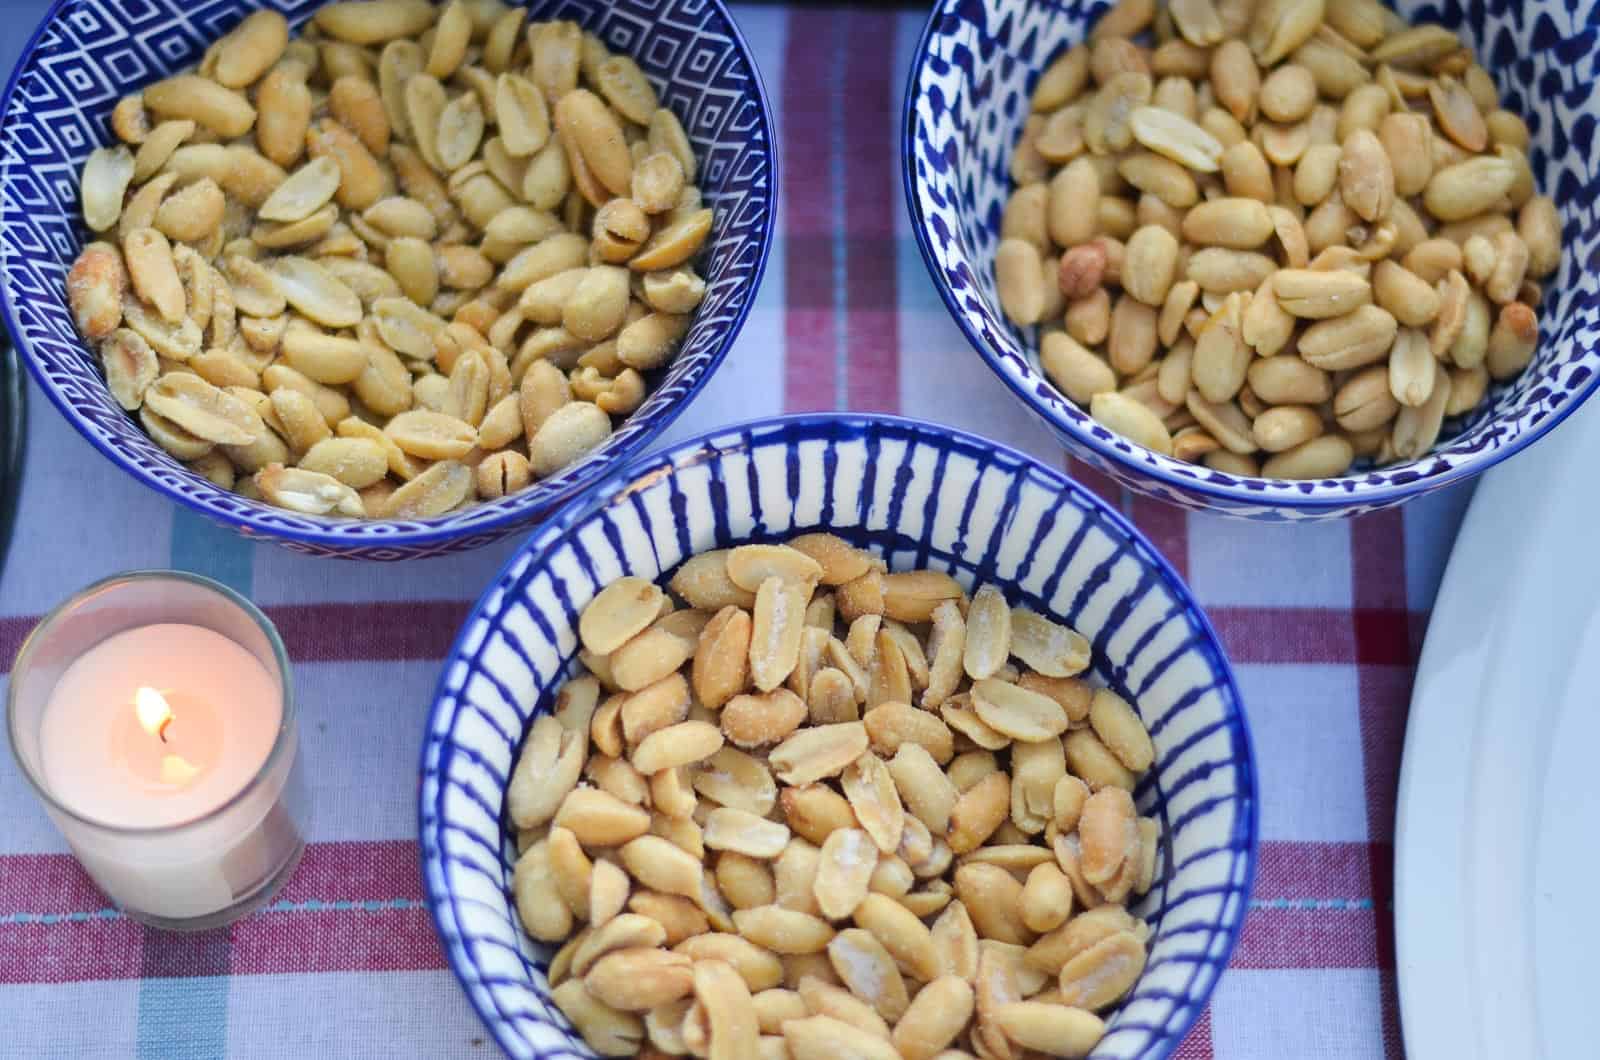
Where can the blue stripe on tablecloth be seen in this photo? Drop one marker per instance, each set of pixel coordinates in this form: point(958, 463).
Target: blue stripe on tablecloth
point(202, 547)
point(186, 1017)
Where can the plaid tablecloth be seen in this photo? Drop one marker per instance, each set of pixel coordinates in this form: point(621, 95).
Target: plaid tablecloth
point(1323, 622)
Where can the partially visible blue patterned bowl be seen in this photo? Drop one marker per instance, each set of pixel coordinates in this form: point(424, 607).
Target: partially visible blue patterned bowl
point(919, 496)
point(971, 78)
point(88, 54)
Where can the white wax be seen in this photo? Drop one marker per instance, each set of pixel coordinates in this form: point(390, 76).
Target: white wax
point(100, 762)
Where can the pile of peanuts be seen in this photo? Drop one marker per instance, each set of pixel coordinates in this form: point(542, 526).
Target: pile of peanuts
point(1284, 236)
point(828, 811)
point(415, 258)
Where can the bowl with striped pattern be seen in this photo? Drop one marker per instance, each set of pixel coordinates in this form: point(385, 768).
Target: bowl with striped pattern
point(918, 496)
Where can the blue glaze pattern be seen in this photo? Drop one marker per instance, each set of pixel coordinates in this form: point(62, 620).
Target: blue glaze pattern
point(916, 495)
point(87, 54)
point(970, 82)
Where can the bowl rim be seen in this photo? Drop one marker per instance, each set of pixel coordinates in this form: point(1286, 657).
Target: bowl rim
point(564, 524)
point(1358, 493)
point(337, 538)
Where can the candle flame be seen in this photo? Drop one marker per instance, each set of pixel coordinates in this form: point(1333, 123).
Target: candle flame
point(153, 711)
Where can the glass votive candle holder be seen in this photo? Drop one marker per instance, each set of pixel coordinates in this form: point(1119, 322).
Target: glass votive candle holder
point(154, 714)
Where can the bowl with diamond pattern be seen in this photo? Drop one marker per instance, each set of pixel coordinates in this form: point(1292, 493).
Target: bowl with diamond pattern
point(917, 496)
point(89, 54)
point(968, 95)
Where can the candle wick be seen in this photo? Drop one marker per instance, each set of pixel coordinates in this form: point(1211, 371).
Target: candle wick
point(162, 732)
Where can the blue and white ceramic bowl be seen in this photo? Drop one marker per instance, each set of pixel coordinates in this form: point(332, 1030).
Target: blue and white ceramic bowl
point(919, 496)
point(971, 78)
point(88, 54)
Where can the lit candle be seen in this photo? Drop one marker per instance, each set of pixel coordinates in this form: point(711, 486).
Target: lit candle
point(158, 725)
point(146, 713)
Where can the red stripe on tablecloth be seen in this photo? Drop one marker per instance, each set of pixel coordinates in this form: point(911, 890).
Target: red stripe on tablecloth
point(810, 84)
point(356, 871)
point(1378, 586)
point(396, 629)
point(1296, 938)
point(1307, 635)
point(1291, 869)
point(1167, 527)
point(385, 940)
point(1197, 1046)
point(392, 932)
point(1095, 481)
point(872, 321)
point(71, 953)
point(425, 630)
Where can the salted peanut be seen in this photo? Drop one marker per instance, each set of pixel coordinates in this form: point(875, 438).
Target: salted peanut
point(783, 931)
point(992, 897)
point(153, 155)
point(1288, 93)
point(816, 811)
point(1017, 712)
point(1286, 426)
point(130, 365)
point(875, 801)
point(1366, 177)
point(432, 435)
point(599, 818)
point(1539, 225)
point(1410, 298)
point(1176, 137)
point(1093, 762)
point(844, 870)
point(905, 937)
point(1235, 79)
point(590, 134)
point(1052, 1029)
point(1511, 344)
point(679, 917)
point(539, 906)
point(721, 659)
point(362, 181)
point(935, 1017)
point(724, 993)
point(867, 969)
point(1457, 113)
point(1221, 356)
point(1316, 174)
point(95, 288)
point(639, 978)
point(374, 21)
point(1406, 140)
point(654, 707)
point(608, 1031)
point(1132, 420)
point(1099, 976)
point(988, 633)
point(825, 1037)
point(817, 752)
point(357, 105)
point(1228, 222)
point(1510, 267)
point(129, 120)
point(1365, 401)
point(658, 863)
point(1160, 176)
point(1220, 270)
point(892, 725)
point(1350, 341)
point(203, 101)
point(744, 833)
point(303, 193)
point(1108, 834)
point(1411, 368)
point(154, 273)
point(1433, 259)
point(1019, 281)
point(1151, 262)
point(356, 462)
point(1063, 80)
point(1322, 457)
point(202, 409)
point(1079, 373)
point(569, 433)
point(777, 623)
point(978, 812)
point(572, 871)
point(1467, 189)
point(437, 490)
point(776, 1007)
point(1046, 900)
